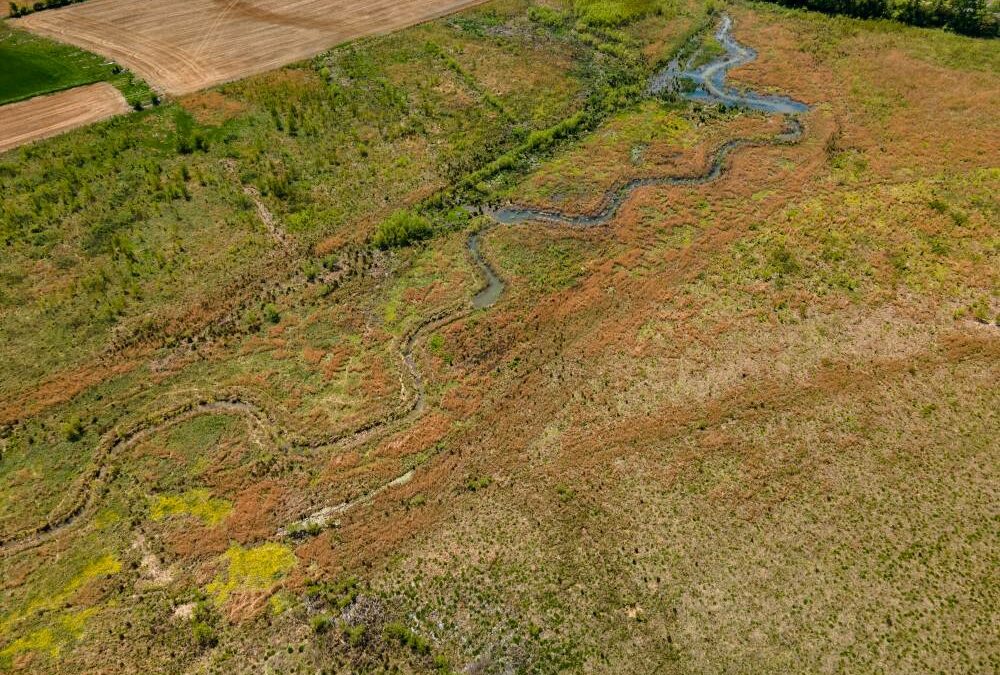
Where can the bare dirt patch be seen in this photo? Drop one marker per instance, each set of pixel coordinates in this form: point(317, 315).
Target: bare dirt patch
point(183, 47)
point(45, 116)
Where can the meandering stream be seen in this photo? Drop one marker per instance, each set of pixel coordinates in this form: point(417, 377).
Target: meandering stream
point(709, 87)
point(706, 84)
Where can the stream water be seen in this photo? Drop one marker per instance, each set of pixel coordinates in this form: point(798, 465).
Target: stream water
point(709, 80)
point(709, 87)
point(705, 84)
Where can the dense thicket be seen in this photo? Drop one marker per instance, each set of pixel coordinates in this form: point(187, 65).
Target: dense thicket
point(978, 18)
point(16, 10)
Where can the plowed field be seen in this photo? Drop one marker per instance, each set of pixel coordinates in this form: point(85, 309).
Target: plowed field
point(45, 116)
point(183, 47)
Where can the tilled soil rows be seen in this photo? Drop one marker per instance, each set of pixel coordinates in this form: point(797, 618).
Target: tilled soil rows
point(184, 47)
point(52, 114)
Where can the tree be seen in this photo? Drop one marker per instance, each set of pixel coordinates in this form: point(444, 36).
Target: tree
point(968, 17)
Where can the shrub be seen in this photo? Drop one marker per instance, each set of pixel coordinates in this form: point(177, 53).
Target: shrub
point(355, 634)
point(547, 16)
point(271, 314)
point(476, 483)
point(73, 429)
point(339, 595)
point(202, 628)
point(184, 129)
point(204, 634)
point(402, 229)
point(320, 624)
point(407, 638)
point(782, 261)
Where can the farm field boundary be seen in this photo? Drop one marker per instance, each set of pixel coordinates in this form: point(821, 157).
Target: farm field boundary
point(53, 114)
point(181, 48)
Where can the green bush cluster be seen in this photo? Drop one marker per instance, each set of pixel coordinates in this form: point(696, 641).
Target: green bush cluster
point(548, 17)
point(337, 594)
point(476, 483)
point(400, 229)
point(187, 137)
point(320, 624)
point(203, 621)
point(73, 429)
point(407, 638)
point(614, 12)
point(24, 10)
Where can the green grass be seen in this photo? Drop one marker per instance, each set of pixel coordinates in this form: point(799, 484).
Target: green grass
point(614, 12)
point(736, 441)
point(33, 65)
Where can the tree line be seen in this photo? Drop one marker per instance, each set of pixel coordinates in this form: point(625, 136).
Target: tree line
point(24, 10)
point(977, 18)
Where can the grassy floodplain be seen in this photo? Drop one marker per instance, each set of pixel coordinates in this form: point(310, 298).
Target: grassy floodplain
point(747, 426)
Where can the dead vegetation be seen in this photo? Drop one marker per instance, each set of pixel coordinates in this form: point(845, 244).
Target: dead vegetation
point(750, 422)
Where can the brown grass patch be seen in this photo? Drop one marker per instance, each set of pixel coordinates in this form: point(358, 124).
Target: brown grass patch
point(211, 107)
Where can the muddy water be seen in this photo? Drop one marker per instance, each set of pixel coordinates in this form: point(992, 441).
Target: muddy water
point(490, 293)
point(705, 84)
point(709, 80)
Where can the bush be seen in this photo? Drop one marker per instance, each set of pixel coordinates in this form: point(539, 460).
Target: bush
point(547, 16)
point(202, 628)
point(355, 634)
point(338, 595)
point(184, 132)
point(402, 229)
point(407, 638)
point(271, 314)
point(73, 429)
point(782, 261)
point(613, 12)
point(476, 483)
point(320, 624)
point(204, 634)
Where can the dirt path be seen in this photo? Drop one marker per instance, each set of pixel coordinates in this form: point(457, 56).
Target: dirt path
point(267, 218)
point(53, 114)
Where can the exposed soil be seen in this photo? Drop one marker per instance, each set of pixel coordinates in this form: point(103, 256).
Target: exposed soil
point(183, 47)
point(53, 114)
